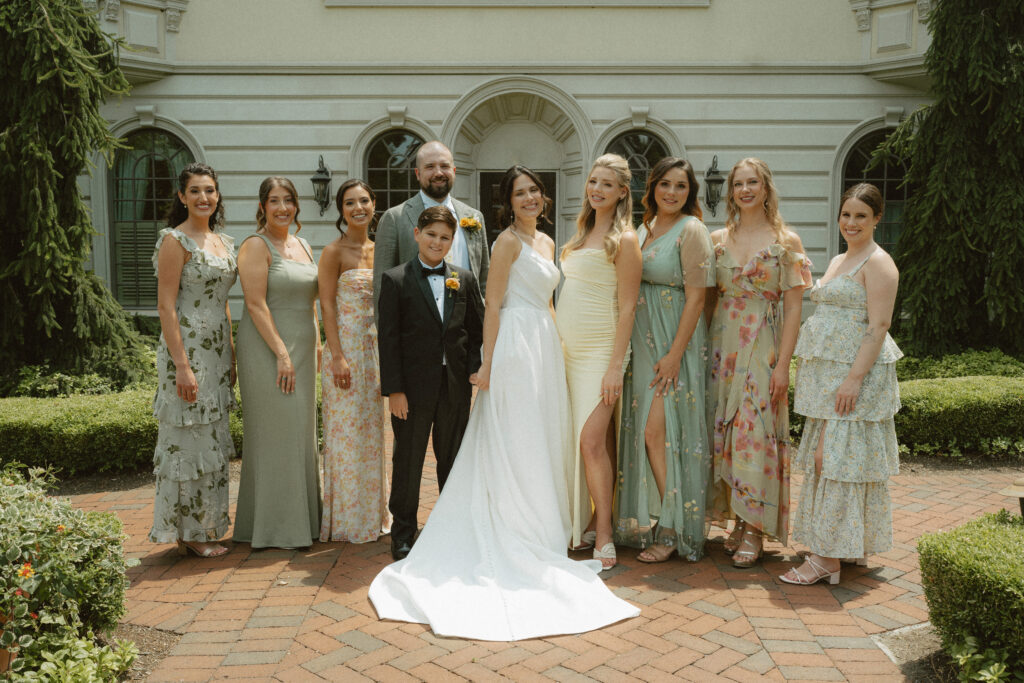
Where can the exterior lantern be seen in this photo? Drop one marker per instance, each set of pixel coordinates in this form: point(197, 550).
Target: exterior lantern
point(713, 182)
point(322, 186)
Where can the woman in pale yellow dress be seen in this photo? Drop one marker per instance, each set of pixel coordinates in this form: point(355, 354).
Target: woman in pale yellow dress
point(602, 268)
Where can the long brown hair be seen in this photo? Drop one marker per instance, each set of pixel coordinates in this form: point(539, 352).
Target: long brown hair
point(340, 197)
point(505, 215)
point(771, 198)
point(266, 186)
point(178, 212)
point(690, 208)
point(621, 222)
point(867, 193)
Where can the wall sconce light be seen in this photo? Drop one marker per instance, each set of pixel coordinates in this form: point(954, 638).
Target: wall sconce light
point(322, 186)
point(713, 181)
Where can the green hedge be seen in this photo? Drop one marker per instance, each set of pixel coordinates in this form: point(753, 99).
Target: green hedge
point(84, 434)
point(966, 364)
point(973, 578)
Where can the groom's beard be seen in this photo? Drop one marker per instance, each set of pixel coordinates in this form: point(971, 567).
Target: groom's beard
point(437, 190)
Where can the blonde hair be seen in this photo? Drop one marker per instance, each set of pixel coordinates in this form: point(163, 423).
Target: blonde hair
point(771, 198)
point(621, 222)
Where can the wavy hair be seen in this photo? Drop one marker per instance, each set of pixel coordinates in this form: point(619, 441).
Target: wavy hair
point(771, 198)
point(621, 222)
point(266, 186)
point(340, 197)
point(505, 215)
point(690, 208)
point(178, 212)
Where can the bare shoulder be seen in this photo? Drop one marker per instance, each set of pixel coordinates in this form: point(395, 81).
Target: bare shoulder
point(548, 244)
point(791, 241)
point(718, 236)
point(506, 244)
point(630, 238)
point(253, 246)
point(880, 265)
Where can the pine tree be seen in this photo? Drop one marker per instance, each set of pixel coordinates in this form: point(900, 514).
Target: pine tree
point(58, 67)
point(961, 253)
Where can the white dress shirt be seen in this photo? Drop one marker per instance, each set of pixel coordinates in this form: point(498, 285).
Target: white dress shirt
point(436, 283)
point(459, 253)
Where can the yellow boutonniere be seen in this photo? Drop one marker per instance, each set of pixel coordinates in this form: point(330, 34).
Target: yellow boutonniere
point(470, 224)
point(452, 282)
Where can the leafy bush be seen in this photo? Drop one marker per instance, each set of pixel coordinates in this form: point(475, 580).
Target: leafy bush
point(83, 434)
point(966, 364)
point(62, 574)
point(952, 415)
point(973, 578)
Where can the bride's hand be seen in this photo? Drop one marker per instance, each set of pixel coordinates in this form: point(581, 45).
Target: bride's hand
point(481, 379)
point(611, 387)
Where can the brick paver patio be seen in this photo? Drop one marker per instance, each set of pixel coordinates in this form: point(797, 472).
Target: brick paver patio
point(304, 616)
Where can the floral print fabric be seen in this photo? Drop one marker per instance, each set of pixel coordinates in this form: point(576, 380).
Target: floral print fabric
point(682, 256)
point(355, 478)
point(193, 439)
point(844, 511)
point(750, 436)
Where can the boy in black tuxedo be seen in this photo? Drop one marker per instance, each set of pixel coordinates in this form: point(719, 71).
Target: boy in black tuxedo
point(429, 333)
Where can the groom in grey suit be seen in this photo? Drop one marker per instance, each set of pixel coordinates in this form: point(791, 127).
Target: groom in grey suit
point(394, 244)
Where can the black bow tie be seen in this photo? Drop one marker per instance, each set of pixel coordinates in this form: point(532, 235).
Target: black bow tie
point(427, 272)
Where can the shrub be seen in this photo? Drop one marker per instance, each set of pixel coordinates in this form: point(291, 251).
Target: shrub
point(962, 414)
point(83, 434)
point(62, 572)
point(966, 364)
point(973, 578)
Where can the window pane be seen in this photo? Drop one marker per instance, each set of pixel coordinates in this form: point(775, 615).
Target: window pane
point(144, 179)
point(888, 178)
point(390, 164)
point(642, 150)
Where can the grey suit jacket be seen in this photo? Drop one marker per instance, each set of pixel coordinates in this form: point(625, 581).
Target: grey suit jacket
point(396, 245)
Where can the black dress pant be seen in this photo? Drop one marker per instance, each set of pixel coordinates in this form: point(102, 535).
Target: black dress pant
point(446, 419)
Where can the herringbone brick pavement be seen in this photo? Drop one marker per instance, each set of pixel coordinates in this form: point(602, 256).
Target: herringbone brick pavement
point(277, 615)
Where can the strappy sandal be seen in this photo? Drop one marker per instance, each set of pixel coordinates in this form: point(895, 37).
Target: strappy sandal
point(744, 558)
point(607, 552)
point(653, 557)
point(859, 561)
point(587, 540)
point(819, 574)
point(212, 550)
point(731, 544)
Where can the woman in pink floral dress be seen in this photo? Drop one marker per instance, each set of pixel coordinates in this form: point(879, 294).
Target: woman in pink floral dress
point(355, 479)
point(761, 274)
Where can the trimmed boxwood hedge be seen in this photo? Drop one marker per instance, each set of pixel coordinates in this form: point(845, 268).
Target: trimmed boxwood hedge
point(84, 434)
point(973, 578)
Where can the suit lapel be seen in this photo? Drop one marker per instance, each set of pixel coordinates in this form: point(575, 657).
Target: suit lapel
point(416, 272)
point(449, 297)
point(463, 211)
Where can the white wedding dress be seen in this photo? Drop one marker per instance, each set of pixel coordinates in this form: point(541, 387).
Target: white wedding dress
point(491, 562)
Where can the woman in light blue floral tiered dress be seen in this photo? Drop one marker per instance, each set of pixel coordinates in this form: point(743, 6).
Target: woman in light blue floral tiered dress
point(846, 387)
point(195, 365)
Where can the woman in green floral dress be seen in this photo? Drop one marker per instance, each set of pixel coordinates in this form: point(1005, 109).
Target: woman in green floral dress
point(664, 455)
point(196, 366)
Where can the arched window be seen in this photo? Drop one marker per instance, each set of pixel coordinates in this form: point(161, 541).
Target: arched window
point(390, 164)
point(642, 150)
point(144, 180)
point(887, 177)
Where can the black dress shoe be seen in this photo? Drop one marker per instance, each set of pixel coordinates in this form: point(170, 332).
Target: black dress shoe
point(400, 549)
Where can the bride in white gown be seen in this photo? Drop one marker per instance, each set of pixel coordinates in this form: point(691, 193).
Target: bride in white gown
point(491, 562)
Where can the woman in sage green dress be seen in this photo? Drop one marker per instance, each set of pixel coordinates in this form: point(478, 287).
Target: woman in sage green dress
point(195, 269)
point(664, 455)
point(278, 347)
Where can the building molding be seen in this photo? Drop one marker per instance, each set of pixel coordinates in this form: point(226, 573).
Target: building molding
point(650, 124)
point(369, 133)
point(477, 4)
point(146, 116)
point(504, 85)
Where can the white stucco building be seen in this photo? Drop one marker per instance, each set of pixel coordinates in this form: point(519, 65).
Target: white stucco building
point(261, 87)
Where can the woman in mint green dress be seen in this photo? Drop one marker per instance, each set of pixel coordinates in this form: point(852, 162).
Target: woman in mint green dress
point(664, 457)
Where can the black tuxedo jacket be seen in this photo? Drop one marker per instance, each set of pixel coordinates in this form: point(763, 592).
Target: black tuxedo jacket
point(412, 337)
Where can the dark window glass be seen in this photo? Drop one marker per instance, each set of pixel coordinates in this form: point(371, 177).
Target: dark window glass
point(888, 178)
point(642, 150)
point(144, 180)
point(390, 167)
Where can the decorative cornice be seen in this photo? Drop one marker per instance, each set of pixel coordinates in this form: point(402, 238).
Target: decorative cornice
point(924, 8)
point(112, 11)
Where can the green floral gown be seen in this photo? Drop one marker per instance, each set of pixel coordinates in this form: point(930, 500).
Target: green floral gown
point(193, 442)
point(682, 256)
point(750, 436)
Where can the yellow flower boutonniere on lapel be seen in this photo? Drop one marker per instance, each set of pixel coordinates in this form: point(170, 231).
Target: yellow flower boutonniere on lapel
point(452, 282)
point(470, 224)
